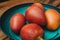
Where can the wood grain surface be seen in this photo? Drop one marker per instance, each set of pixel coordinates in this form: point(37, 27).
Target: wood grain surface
point(8, 4)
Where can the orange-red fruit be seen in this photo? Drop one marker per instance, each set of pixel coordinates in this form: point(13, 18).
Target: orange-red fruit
point(16, 22)
point(59, 19)
point(52, 18)
point(31, 31)
point(39, 6)
point(35, 15)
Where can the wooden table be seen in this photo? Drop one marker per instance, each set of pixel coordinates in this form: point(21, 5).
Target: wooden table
point(8, 4)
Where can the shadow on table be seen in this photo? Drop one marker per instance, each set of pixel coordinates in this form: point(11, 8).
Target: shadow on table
point(3, 0)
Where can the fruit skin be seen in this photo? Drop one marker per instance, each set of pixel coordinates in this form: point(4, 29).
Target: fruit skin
point(31, 31)
point(35, 15)
point(38, 5)
point(16, 22)
point(52, 18)
point(59, 19)
point(40, 38)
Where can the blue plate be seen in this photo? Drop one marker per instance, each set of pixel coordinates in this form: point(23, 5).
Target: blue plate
point(5, 18)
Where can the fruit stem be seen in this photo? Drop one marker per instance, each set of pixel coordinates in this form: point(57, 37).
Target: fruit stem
point(40, 38)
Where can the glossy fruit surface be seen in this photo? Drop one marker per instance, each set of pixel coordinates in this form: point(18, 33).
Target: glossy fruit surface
point(16, 22)
point(21, 8)
point(40, 6)
point(31, 32)
point(35, 15)
point(52, 18)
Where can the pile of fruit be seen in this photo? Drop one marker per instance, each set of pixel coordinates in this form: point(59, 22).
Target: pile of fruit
point(38, 18)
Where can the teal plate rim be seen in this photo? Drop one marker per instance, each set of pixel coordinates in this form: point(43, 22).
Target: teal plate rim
point(20, 5)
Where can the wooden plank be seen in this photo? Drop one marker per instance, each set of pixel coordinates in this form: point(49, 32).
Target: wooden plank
point(2, 35)
point(38, 1)
point(56, 2)
point(58, 6)
point(7, 39)
point(6, 5)
point(2, 10)
point(9, 5)
point(46, 1)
